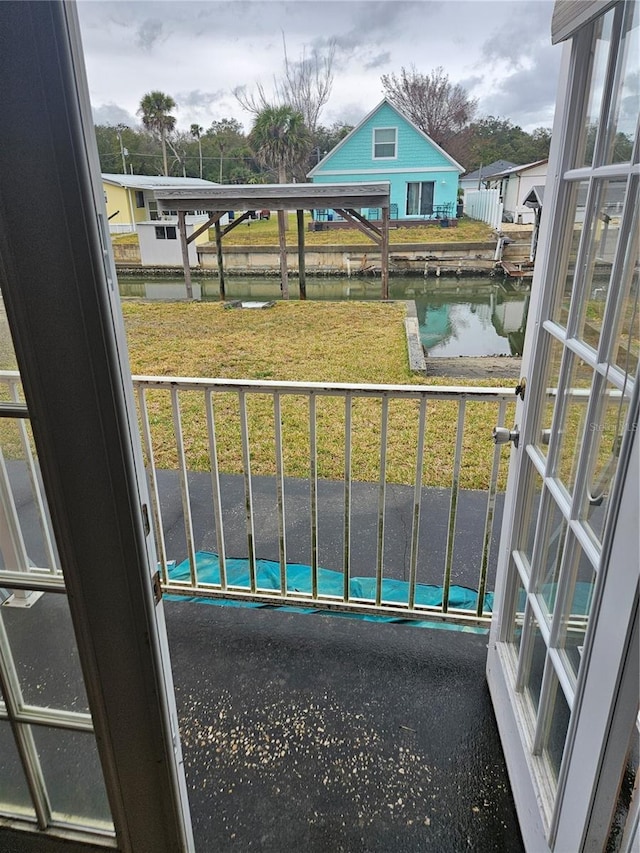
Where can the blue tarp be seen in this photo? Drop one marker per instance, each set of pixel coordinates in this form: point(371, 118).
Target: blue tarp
point(330, 582)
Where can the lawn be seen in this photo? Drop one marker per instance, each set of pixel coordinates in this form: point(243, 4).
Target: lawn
point(304, 341)
point(338, 342)
point(265, 233)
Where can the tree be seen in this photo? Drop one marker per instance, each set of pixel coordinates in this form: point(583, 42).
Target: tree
point(197, 131)
point(279, 139)
point(439, 108)
point(492, 138)
point(305, 86)
point(155, 111)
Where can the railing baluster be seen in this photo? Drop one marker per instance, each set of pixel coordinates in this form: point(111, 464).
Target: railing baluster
point(248, 494)
point(382, 498)
point(282, 527)
point(215, 486)
point(417, 501)
point(153, 482)
point(346, 591)
point(453, 507)
point(488, 524)
point(313, 493)
point(184, 487)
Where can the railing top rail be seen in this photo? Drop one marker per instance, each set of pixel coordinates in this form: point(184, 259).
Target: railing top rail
point(324, 388)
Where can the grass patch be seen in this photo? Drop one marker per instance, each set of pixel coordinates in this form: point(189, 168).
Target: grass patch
point(309, 342)
point(265, 233)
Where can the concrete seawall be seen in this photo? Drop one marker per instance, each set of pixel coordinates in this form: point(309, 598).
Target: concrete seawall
point(460, 258)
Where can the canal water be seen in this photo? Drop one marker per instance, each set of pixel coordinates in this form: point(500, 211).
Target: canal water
point(466, 316)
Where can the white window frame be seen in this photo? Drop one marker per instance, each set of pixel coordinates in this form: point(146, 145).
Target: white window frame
point(393, 156)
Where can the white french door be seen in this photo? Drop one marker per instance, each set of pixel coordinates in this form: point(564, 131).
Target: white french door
point(563, 656)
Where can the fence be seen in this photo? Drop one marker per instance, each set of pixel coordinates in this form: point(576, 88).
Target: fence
point(484, 205)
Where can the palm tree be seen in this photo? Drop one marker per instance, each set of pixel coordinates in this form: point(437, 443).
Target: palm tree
point(155, 111)
point(279, 139)
point(196, 131)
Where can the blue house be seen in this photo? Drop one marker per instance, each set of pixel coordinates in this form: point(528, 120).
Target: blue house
point(388, 146)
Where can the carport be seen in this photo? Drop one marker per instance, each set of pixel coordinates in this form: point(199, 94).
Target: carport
point(346, 199)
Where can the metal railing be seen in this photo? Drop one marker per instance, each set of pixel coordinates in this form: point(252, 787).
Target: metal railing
point(314, 444)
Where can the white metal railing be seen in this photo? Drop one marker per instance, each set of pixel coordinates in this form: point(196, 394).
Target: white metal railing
point(166, 402)
point(484, 205)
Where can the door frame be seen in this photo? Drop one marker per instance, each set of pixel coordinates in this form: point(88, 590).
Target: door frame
point(64, 312)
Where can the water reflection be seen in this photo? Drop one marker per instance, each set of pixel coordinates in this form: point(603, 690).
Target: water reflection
point(470, 316)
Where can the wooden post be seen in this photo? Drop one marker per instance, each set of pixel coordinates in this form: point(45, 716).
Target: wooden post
point(185, 252)
point(384, 253)
point(282, 241)
point(220, 258)
point(301, 262)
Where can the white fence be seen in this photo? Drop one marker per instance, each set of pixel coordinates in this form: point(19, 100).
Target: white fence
point(484, 205)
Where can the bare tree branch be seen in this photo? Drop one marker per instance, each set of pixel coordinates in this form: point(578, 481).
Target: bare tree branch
point(305, 86)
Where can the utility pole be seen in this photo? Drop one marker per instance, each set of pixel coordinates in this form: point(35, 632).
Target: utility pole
point(123, 151)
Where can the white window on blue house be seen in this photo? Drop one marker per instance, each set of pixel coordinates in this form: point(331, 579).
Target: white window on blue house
point(420, 198)
point(384, 143)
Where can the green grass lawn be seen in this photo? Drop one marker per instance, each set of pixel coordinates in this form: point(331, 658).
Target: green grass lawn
point(265, 233)
point(300, 341)
point(315, 342)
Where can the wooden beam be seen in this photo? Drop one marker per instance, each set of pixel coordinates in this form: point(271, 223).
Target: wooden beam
point(384, 253)
point(282, 242)
point(365, 222)
point(220, 259)
point(346, 214)
point(302, 277)
point(246, 215)
point(211, 221)
point(185, 252)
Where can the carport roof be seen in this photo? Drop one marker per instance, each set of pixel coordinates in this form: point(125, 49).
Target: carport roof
point(220, 197)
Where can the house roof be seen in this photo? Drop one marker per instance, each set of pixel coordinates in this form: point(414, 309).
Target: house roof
point(515, 170)
point(355, 130)
point(488, 171)
point(148, 182)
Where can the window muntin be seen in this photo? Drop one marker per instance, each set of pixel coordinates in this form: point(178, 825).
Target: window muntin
point(385, 143)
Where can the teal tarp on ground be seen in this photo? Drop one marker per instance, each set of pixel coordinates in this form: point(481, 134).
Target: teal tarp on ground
point(330, 582)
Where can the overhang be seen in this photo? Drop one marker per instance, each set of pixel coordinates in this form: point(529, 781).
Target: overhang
point(222, 197)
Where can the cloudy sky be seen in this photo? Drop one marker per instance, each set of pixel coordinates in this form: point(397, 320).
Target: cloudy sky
point(198, 52)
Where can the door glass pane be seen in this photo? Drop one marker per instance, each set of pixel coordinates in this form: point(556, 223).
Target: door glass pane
point(45, 653)
point(603, 239)
point(572, 429)
point(14, 793)
point(558, 726)
point(552, 366)
point(624, 112)
point(73, 776)
point(534, 658)
point(626, 347)
point(549, 559)
point(607, 438)
point(517, 622)
point(603, 28)
point(413, 195)
point(575, 218)
point(7, 352)
point(530, 513)
point(30, 545)
point(576, 612)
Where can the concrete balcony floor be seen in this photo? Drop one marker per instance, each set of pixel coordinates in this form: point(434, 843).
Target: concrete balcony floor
point(320, 732)
point(327, 733)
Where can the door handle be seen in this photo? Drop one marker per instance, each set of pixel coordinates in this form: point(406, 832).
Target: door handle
point(502, 435)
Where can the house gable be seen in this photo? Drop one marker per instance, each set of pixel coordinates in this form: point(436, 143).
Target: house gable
point(384, 141)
